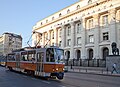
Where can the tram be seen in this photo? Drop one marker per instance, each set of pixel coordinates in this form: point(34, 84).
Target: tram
point(2, 60)
point(45, 62)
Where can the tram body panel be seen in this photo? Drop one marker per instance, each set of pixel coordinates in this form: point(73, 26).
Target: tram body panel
point(50, 68)
point(28, 66)
point(11, 64)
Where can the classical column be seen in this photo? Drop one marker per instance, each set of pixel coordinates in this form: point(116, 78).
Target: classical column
point(55, 37)
point(63, 36)
point(96, 36)
point(72, 24)
point(112, 27)
point(83, 27)
point(49, 38)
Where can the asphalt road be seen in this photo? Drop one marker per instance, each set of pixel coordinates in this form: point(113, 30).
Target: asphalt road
point(13, 79)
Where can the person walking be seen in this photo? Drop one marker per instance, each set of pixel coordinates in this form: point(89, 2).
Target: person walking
point(114, 66)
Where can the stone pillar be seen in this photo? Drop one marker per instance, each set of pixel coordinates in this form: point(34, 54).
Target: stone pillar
point(83, 27)
point(55, 37)
point(63, 36)
point(49, 38)
point(96, 36)
point(112, 27)
point(72, 40)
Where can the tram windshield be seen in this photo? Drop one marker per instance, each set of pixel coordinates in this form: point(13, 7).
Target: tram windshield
point(60, 55)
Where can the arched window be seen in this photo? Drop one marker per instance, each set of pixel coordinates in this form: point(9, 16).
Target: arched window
point(90, 1)
point(105, 52)
point(68, 55)
point(68, 11)
point(60, 15)
point(78, 54)
point(90, 54)
point(41, 23)
point(52, 18)
point(78, 7)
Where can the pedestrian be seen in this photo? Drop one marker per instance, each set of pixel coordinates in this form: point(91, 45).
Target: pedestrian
point(114, 67)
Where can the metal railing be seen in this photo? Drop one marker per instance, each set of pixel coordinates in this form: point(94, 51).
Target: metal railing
point(86, 62)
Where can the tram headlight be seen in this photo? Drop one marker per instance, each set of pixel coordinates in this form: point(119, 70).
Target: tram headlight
point(57, 69)
point(53, 69)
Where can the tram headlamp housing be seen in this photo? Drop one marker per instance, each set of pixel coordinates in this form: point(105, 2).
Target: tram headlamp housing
point(57, 69)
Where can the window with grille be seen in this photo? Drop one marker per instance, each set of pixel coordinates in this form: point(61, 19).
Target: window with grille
point(105, 36)
point(78, 28)
point(91, 38)
point(78, 40)
point(68, 31)
point(90, 23)
point(60, 32)
point(68, 42)
point(105, 20)
point(60, 43)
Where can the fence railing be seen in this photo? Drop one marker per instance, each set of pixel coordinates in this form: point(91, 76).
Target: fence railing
point(86, 62)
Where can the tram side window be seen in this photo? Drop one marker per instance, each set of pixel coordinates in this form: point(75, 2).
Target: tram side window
point(50, 55)
point(11, 58)
point(24, 57)
point(31, 57)
point(40, 57)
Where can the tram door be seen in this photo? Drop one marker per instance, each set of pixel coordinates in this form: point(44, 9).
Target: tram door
point(40, 66)
point(17, 60)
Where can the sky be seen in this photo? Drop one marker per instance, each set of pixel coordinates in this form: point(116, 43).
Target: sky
point(19, 16)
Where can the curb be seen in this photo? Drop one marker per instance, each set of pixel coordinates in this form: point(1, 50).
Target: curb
point(114, 75)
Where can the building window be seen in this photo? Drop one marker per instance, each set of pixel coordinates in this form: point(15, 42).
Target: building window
point(52, 34)
point(91, 38)
point(105, 20)
point(105, 36)
point(68, 42)
point(41, 23)
point(68, 30)
point(60, 15)
point(60, 42)
point(78, 28)
point(60, 32)
point(46, 36)
point(90, 23)
point(90, 1)
point(46, 21)
point(78, 7)
point(78, 40)
point(68, 11)
point(52, 18)
point(90, 54)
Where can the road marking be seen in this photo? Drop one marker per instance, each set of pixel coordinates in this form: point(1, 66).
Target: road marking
point(62, 86)
point(46, 82)
point(33, 78)
point(25, 76)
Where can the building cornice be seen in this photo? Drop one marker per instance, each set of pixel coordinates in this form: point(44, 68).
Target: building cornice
point(73, 13)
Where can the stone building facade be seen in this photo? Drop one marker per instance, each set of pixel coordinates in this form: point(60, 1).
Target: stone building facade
point(85, 30)
point(9, 42)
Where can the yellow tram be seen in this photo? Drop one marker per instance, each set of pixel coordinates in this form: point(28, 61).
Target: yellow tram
point(45, 62)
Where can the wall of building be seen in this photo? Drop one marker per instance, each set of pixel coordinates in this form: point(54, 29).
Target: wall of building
point(9, 42)
point(84, 30)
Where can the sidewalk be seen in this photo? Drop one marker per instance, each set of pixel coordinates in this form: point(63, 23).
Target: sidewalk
point(91, 70)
